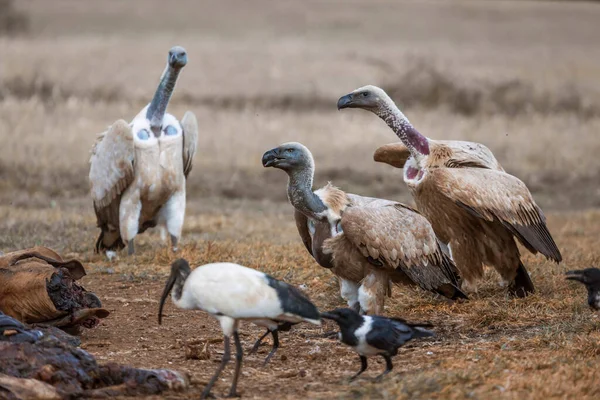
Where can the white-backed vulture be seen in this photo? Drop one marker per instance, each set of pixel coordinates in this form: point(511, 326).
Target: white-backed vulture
point(367, 242)
point(474, 206)
point(138, 170)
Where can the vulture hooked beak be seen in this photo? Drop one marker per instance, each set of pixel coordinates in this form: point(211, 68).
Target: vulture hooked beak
point(177, 57)
point(345, 101)
point(271, 157)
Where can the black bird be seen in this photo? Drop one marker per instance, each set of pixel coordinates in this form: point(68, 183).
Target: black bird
point(273, 328)
point(590, 277)
point(374, 335)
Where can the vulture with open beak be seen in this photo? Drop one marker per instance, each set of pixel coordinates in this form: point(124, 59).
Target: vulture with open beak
point(475, 207)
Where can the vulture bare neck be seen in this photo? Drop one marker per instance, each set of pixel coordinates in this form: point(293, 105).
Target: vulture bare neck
point(417, 144)
point(301, 195)
point(158, 106)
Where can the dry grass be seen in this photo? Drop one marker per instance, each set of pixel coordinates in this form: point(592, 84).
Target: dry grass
point(495, 72)
point(518, 76)
point(544, 346)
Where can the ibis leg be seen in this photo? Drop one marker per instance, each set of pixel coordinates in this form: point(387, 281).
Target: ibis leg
point(363, 367)
point(257, 344)
point(275, 346)
point(224, 361)
point(130, 248)
point(239, 353)
point(388, 367)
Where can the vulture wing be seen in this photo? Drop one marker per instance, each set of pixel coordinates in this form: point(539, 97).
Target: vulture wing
point(398, 237)
point(111, 170)
point(394, 154)
point(464, 154)
point(313, 241)
point(495, 195)
point(302, 225)
point(469, 154)
point(189, 124)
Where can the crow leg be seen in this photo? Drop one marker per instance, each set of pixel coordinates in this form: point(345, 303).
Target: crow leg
point(257, 344)
point(388, 367)
point(363, 367)
point(275, 346)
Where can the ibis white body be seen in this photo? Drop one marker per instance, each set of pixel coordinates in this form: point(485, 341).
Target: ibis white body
point(232, 292)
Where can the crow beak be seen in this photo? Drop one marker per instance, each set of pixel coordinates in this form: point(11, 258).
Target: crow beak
point(575, 276)
point(344, 101)
point(330, 316)
point(270, 158)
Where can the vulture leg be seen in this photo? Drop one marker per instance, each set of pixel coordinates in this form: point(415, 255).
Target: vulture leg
point(257, 344)
point(363, 367)
point(349, 292)
point(388, 367)
point(239, 354)
point(174, 241)
point(130, 248)
point(372, 292)
point(173, 213)
point(275, 346)
point(224, 361)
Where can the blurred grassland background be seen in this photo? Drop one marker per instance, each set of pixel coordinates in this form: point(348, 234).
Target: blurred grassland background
point(520, 77)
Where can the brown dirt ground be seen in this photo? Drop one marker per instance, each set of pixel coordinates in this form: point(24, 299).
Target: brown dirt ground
point(542, 346)
point(521, 77)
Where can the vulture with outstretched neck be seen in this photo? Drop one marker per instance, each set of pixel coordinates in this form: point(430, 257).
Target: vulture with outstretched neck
point(138, 170)
point(475, 207)
point(367, 242)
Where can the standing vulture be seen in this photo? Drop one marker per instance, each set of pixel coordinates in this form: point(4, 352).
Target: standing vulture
point(363, 239)
point(474, 206)
point(138, 170)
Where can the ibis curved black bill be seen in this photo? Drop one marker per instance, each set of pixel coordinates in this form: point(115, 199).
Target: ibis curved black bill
point(163, 298)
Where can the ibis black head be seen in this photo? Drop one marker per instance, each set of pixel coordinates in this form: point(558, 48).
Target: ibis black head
point(289, 157)
point(368, 97)
point(180, 270)
point(344, 317)
point(589, 277)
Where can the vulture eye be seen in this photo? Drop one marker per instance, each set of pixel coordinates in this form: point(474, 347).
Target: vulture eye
point(170, 130)
point(290, 150)
point(365, 94)
point(143, 134)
